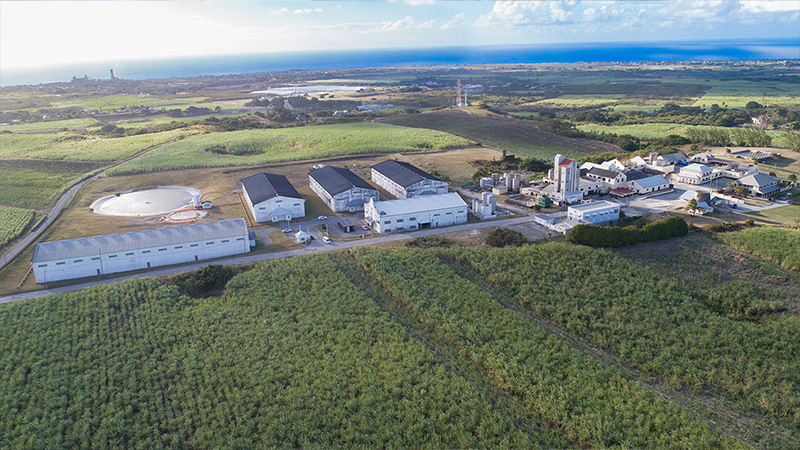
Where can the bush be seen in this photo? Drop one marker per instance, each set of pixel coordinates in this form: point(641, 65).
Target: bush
point(203, 282)
point(503, 237)
point(430, 242)
point(614, 236)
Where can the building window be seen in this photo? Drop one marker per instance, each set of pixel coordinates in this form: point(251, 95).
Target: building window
point(61, 263)
point(261, 208)
point(297, 204)
point(95, 258)
point(413, 219)
point(225, 240)
point(209, 243)
point(112, 256)
point(78, 260)
point(129, 254)
point(450, 213)
point(194, 245)
point(399, 220)
point(162, 249)
point(42, 265)
point(178, 246)
point(387, 222)
point(239, 239)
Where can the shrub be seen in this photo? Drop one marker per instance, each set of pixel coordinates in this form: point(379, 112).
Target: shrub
point(503, 237)
point(430, 242)
point(614, 236)
point(203, 282)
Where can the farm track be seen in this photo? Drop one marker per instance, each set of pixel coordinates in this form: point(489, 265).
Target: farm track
point(518, 136)
point(56, 210)
point(446, 352)
point(718, 413)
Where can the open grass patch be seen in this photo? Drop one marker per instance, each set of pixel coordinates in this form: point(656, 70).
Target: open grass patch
point(37, 184)
point(288, 144)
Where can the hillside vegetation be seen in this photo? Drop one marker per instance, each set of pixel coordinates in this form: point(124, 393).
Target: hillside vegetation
point(249, 147)
point(13, 222)
point(781, 245)
point(518, 136)
point(539, 346)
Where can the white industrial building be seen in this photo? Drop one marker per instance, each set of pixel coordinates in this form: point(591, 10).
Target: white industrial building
point(406, 181)
point(272, 198)
point(100, 255)
point(341, 189)
point(596, 213)
point(415, 213)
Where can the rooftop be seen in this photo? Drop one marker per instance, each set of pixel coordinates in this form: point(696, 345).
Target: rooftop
point(264, 186)
point(419, 204)
point(566, 162)
point(759, 179)
point(697, 168)
point(594, 206)
point(603, 172)
point(651, 181)
point(135, 240)
point(402, 173)
point(336, 180)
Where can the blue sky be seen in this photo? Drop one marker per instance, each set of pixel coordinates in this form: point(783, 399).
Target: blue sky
point(36, 34)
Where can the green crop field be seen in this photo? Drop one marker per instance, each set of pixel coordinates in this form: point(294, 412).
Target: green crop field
point(33, 184)
point(781, 245)
point(74, 147)
point(583, 100)
point(513, 135)
point(119, 101)
point(251, 147)
point(543, 346)
point(70, 124)
point(662, 130)
point(13, 222)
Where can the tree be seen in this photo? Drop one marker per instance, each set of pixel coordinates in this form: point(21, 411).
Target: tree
point(502, 237)
point(692, 207)
point(753, 105)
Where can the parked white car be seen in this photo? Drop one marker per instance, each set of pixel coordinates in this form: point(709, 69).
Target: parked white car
point(326, 239)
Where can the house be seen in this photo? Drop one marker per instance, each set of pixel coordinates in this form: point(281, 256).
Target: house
point(271, 198)
point(606, 176)
point(649, 184)
point(760, 184)
point(667, 163)
point(416, 213)
point(406, 181)
point(115, 253)
point(697, 174)
point(341, 189)
point(301, 237)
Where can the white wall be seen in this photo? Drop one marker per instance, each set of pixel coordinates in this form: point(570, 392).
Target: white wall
point(413, 220)
point(265, 211)
point(116, 262)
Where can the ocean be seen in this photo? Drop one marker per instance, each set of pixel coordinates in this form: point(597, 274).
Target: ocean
point(762, 49)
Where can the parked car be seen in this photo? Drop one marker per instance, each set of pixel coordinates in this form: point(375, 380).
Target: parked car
point(326, 239)
point(322, 217)
point(287, 230)
point(365, 227)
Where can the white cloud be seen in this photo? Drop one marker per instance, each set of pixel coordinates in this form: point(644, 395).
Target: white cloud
point(525, 13)
point(307, 11)
point(457, 21)
point(770, 6)
point(406, 23)
point(419, 2)
point(279, 12)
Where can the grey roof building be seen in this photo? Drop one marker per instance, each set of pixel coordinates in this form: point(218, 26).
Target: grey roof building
point(341, 189)
point(98, 255)
point(405, 181)
point(272, 198)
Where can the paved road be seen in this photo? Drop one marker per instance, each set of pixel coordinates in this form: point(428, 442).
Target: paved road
point(316, 246)
point(51, 217)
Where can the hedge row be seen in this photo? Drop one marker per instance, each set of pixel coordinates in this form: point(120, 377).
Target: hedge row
point(613, 236)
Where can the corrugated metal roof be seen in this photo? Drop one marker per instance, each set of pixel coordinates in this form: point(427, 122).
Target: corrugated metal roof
point(603, 172)
point(653, 181)
point(336, 180)
point(593, 206)
point(633, 175)
point(674, 157)
point(758, 180)
point(403, 173)
point(264, 186)
point(419, 204)
point(136, 240)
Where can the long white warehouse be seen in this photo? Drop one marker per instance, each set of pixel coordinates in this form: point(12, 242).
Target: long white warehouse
point(114, 253)
point(416, 213)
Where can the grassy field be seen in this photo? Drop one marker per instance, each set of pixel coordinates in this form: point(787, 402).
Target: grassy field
point(288, 144)
point(662, 130)
point(781, 245)
point(119, 101)
point(583, 100)
point(70, 124)
point(36, 185)
point(13, 221)
point(513, 135)
point(72, 147)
